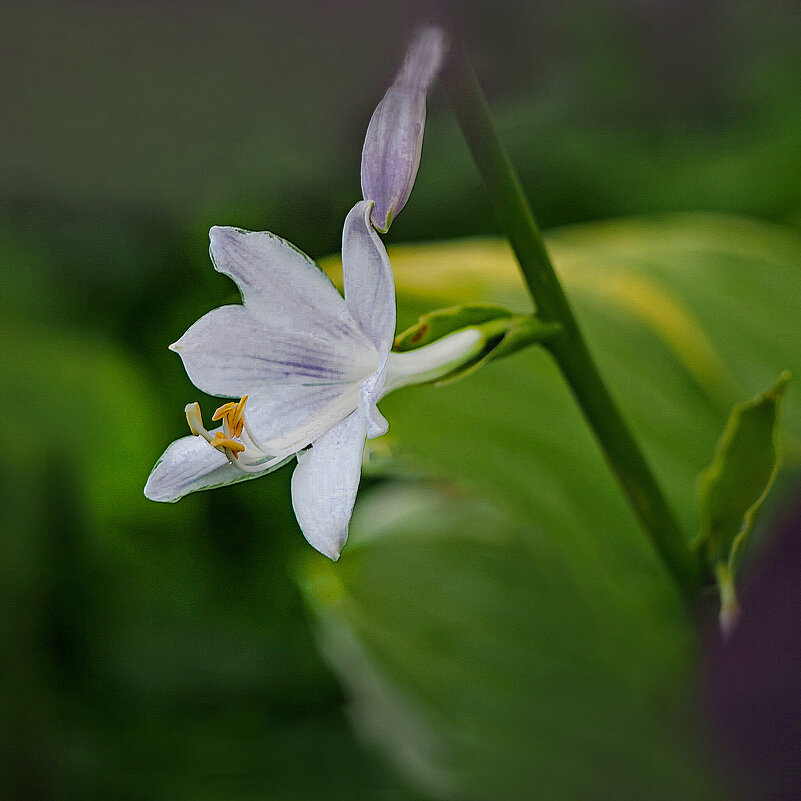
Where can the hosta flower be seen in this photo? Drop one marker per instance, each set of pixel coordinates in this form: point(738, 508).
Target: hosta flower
point(308, 367)
point(392, 147)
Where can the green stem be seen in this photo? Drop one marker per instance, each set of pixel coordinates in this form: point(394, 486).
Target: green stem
point(568, 347)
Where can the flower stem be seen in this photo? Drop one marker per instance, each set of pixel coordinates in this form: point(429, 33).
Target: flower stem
point(568, 347)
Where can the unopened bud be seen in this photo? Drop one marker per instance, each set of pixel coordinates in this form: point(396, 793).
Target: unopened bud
point(391, 153)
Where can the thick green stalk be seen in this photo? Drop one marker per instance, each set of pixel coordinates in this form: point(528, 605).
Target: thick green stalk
point(568, 347)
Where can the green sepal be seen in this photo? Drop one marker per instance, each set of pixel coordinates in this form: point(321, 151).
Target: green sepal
point(732, 489)
point(438, 324)
point(504, 333)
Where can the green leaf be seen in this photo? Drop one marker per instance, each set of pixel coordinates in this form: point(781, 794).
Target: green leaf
point(482, 664)
point(732, 489)
point(538, 643)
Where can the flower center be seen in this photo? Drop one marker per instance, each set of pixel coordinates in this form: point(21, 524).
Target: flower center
point(233, 422)
point(234, 438)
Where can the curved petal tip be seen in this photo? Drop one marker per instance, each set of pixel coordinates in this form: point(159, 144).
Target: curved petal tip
point(325, 482)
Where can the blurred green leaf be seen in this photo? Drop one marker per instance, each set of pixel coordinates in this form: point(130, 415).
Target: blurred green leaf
point(540, 644)
point(732, 489)
point(482, 664)
point(81, 397)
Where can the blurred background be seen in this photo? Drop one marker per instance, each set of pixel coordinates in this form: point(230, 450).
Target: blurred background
point(497, 629)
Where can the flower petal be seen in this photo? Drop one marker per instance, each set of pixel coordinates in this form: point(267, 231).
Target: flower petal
point(324, 484)
point(229, 352)
point(280, 285)
point(371, 391)
point(286, 419)
point(367, 274)
point(190, 464)
point(377, 424)
point(392, 146)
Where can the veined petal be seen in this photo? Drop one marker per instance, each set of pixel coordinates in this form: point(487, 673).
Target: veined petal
point(280, 285)
point(288, 418)
point(190, 464)
point(324, 484)
point(229, 352)
point(391, 153)
point(368, 279)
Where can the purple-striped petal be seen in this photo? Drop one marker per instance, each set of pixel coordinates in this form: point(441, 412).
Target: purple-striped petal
point(280, 285)
point(229, 352)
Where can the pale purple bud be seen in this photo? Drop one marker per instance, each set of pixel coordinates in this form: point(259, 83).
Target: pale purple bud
point(391, 153)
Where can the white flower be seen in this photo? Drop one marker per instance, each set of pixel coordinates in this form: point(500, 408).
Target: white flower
point(310, 368)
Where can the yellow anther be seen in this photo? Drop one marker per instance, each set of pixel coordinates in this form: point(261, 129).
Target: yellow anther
point(233, 413)
point(221, 441)
point(194, 418)
point(237, 418)
point(224, 410)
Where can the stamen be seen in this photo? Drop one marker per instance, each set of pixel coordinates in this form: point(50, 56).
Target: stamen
point(222, 441)
point(237, 418)
point(224, 410)
point(227, 441)
point(195, 419)
point(233, 415)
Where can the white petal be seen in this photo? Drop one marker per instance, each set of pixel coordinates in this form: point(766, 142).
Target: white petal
point(286, 419)
point(280, 285)
point(229, 352)
point(367, 273)
point(371, 391)
point(324, 484)
point(377, 424)
point(190, 464)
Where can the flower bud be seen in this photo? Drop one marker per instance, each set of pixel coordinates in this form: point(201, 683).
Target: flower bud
point(391, 153)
